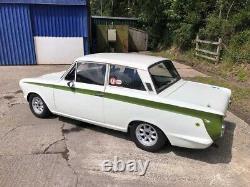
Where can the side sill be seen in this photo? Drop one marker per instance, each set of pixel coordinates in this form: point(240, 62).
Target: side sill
point(91, 122)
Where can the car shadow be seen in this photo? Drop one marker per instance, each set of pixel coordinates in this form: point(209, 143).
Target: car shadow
point(219, 152)
point(81, 126)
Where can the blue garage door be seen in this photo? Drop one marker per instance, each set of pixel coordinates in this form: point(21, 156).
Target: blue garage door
point(61, 21)
point(16, 40)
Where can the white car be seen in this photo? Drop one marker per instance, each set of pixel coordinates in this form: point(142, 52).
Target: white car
point(142, 95)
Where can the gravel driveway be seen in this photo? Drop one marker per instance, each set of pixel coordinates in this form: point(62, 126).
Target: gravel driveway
point(64, 152)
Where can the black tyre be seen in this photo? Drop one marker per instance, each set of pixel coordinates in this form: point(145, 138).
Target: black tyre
point(38, 106)
point(147, 136)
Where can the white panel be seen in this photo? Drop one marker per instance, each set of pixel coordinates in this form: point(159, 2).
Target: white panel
point(58, 50)
point(112, 35)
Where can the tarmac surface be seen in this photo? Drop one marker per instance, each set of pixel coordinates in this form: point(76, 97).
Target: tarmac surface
point(64, 152)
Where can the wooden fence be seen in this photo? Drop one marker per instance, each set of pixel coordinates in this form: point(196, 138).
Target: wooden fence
point(211, 55)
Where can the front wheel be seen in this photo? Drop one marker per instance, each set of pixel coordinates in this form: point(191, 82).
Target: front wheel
point(38, 106)
point(147, 136)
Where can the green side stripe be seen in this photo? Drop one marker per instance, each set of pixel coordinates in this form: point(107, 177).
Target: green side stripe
point(213, 127)
point(212, 122)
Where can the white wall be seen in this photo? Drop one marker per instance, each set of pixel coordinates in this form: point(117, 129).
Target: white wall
point(58, 50)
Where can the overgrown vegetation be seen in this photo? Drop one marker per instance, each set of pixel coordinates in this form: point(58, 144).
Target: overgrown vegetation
point(177, 22)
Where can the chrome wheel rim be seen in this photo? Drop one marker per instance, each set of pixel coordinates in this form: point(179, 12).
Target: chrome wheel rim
point(146, 134)
point(37, 105)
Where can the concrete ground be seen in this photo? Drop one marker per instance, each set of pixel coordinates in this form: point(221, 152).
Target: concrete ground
point(63, 152)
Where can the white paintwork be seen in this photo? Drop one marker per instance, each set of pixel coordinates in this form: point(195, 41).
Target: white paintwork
point(180, 129)
point(204, 95)
point(88, 107)
point(134, 60)
point(52, 76)
point(58, 50)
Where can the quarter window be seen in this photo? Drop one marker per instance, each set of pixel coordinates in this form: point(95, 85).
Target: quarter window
point(91, 73)
point(71, 75)
point(125, 77)
point(163, 75)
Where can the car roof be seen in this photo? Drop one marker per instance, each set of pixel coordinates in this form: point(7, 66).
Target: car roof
point(133, 60)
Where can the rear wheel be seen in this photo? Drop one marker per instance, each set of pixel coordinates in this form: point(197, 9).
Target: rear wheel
point(38, 106)
point(147, 136)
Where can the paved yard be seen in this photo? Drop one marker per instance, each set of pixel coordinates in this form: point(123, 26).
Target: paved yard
point(64, 152)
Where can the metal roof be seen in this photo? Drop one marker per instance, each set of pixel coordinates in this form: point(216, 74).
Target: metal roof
point(112, 18)
point(52, 2)
point(106, 20)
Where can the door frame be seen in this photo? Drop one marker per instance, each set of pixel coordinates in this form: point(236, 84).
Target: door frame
point(97, 91)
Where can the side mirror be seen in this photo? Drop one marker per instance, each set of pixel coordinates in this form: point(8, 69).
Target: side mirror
point(71, 84)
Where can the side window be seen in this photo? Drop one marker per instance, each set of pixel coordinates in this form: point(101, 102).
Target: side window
point(91, 73)
point(125, 77)
point(71, 75)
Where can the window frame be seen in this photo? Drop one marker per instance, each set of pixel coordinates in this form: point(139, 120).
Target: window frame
point(75, 65)
point(68, 71)
point(108, 76)
point(166, 86)
point(92, 62)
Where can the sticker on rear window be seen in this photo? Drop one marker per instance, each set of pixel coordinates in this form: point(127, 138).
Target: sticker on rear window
point(112, 80)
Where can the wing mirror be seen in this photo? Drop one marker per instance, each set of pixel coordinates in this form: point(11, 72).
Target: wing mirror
point(71, 84)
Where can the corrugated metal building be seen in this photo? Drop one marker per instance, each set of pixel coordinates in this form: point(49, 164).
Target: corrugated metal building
point(43, 31)
point(100, 27)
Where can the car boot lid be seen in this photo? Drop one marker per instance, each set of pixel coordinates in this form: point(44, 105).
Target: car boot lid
point(209, 97)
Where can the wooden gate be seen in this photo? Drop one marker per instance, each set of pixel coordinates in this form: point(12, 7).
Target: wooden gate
point(211, 55)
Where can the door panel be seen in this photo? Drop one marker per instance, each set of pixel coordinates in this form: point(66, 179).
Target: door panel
point(124, 87)
point(64, 98)
point(118, 107)
point(85, 99)
point(88, 102)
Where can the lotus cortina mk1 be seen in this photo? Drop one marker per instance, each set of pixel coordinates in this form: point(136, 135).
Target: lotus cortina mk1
point(142, 95)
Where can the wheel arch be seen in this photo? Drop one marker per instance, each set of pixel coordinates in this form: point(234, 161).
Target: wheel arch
point(134, 122)
point(44, 99)
point(31, 93)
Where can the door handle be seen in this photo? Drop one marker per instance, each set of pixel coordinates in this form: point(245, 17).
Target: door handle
point(99, 94)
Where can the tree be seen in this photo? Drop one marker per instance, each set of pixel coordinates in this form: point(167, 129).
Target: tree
point(177, 22)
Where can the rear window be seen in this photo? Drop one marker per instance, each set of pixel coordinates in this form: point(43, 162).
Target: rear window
point(163, 75)
point(125, 77)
